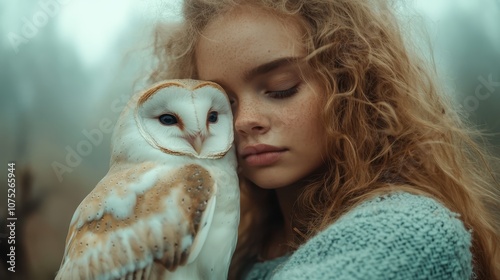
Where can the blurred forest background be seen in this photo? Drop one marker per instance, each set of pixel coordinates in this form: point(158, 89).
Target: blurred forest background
point(69, 66)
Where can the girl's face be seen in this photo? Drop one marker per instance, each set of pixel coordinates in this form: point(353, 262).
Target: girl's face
point(255, 57)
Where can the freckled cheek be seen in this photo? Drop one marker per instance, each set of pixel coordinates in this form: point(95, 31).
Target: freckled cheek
point(304, 123)
point(306, 114)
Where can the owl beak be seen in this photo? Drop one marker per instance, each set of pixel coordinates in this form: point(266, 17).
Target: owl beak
point(196, 142)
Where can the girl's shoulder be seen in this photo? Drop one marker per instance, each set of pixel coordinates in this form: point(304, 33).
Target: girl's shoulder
point(394, 236)
point(401, 211)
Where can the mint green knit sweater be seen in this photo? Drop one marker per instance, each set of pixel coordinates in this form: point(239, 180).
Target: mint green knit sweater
point(397, 236)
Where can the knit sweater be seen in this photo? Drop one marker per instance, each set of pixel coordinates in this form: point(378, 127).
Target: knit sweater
point(396, 236)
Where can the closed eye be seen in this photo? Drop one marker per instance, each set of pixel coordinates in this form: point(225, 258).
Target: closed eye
point(280, 94)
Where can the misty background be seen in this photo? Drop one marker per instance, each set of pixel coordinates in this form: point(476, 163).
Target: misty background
point(69, 66)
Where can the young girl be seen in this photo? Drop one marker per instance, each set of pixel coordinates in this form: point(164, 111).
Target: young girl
point(352, 164)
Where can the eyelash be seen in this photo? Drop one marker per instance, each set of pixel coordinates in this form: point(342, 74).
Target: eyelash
point(280, 94)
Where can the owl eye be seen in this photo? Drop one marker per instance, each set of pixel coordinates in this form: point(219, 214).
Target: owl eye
point(213, 116)
point(167, 119)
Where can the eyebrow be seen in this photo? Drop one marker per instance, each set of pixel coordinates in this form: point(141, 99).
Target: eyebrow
point(270, 66)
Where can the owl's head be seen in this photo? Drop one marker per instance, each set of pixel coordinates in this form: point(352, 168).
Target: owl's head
point(184, 117)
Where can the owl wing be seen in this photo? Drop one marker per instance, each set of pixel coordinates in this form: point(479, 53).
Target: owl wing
point(140, 221)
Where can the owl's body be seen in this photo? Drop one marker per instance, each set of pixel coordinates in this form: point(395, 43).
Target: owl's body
point(169, 206)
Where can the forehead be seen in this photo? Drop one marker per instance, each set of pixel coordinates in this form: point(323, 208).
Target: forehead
point(247, 37)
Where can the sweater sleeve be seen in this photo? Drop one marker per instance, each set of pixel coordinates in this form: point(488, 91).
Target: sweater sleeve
point(397, 236)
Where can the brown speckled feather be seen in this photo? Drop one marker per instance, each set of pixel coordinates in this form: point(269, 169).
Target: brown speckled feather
point(157, 234)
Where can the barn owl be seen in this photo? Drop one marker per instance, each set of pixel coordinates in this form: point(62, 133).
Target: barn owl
point(168, 208)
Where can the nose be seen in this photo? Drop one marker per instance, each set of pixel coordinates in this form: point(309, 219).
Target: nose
point(250, 118)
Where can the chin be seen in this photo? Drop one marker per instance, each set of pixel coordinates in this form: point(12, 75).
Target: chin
point(270, 186)
point(276, 179)
point(272, 180)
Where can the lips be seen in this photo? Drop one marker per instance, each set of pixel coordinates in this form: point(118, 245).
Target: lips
point(261, 154)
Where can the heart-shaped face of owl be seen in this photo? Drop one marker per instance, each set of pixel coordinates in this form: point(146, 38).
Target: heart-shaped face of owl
point(178, 117)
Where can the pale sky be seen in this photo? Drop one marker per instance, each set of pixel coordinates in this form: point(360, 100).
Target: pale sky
point(92, 25)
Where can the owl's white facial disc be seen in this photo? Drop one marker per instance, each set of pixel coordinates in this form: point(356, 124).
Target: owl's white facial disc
point(187, 119)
